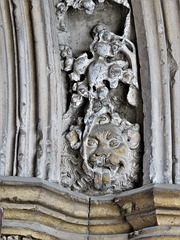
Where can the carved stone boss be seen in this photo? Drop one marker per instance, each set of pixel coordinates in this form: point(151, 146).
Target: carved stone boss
point(101, 147)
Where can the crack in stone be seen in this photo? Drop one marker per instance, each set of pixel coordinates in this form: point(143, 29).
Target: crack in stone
point(88, 218)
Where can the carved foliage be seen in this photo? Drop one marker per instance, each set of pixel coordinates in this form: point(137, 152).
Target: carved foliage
point(101, 146)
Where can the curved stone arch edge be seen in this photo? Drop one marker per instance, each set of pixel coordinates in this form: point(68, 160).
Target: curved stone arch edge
point(157, 43)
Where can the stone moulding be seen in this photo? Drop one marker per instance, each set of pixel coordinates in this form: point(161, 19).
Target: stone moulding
point(16, 237)
point(46, 211)
point(154, 205)
point(158, 32)
point(43, 210)
point(1, 216)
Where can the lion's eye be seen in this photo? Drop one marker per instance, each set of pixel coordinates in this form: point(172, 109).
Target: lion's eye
point(114, 143)
point(92, 142)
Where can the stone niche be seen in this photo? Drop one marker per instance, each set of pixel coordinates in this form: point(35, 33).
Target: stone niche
point(79, 23)
point(101, 97)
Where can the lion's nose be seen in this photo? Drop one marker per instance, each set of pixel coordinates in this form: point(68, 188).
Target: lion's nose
point(101, 150)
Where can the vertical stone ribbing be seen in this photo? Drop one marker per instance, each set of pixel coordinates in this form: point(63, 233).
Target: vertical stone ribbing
point(42, 73)
point(32, 98)
point(48, 91)
point(7, 91)
point(156, 36)
point(166, 96)
point(145, 85)
point(24, 88)
point(53, 94)
point(30, 121)
point(156, 158)
point(172, 20)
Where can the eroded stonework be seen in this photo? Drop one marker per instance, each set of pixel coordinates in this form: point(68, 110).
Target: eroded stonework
point(108, 153)
point(89, 6)
point(17, 237)
point(101, 136)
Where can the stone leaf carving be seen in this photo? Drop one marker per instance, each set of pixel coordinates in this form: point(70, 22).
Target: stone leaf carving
point(101, 146)
point(113, 61)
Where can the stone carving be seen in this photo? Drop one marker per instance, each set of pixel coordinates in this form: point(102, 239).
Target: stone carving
point(88, 5)
point(101, 136)
point(63, 5)
point(17, 237)
point(101, 145)
point(108, 153)
point(113, 60)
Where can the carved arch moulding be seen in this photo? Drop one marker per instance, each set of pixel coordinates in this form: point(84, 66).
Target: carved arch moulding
point(89, 119)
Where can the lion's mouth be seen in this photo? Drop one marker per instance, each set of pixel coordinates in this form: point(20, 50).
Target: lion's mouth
point(104, 162)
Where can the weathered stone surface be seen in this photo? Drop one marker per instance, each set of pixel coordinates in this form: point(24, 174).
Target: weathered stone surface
point(156, 205)
point(156, 233)
point(31, 91)
point(33, 94)
point(1, 217)
point(44, 211)
point(157, 40)
point(13, 237)
point(100, 152)
point(30, 121)
point(102, 81)
point(78, 23)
